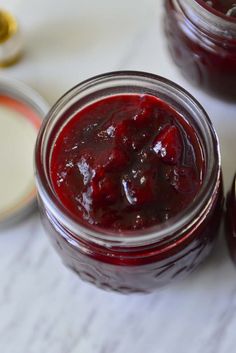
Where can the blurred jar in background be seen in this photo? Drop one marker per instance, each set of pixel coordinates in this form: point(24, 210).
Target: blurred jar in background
point(202, 43)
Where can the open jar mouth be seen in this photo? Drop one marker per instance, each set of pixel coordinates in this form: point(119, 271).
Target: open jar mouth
point(117, 83)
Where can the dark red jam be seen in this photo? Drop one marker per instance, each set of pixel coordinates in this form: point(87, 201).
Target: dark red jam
point(205, 52)
point(127, 162)
point(227, 7)
point(231, 221)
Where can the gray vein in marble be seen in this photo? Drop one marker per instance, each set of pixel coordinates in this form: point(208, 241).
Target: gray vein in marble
point(42, 256)
point(111, 346)
point(6, 291)
point(132, 51)
point(73, 345)
point(25, 247)
point(225, 319)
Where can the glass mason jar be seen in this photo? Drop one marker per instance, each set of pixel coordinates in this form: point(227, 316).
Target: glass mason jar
point(202, 43)
point(149, 258)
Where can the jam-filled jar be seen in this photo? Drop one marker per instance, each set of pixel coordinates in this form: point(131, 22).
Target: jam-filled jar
point(202, 41)
point(128, 174)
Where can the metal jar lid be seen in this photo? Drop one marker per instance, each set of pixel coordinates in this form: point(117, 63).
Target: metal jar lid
point(21, 113)
point(10, 39)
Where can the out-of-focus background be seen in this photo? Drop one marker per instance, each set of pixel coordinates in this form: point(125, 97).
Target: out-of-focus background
point(43, 306)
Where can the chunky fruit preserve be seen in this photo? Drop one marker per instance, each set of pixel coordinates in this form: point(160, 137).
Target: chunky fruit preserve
point(128, 179)
point(127, 162)
point(202, 42)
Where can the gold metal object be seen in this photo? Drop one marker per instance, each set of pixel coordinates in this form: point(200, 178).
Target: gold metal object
point(10, 39)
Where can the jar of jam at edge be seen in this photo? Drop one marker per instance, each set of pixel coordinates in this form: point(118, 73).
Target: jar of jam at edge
point(145, 259)
point(230, 220)
point(202, 42)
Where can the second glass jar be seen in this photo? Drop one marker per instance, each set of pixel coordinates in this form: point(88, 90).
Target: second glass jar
point(202, 43)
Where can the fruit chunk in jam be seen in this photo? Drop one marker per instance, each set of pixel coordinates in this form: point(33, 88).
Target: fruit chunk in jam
point(126, 162)
point(227, 7)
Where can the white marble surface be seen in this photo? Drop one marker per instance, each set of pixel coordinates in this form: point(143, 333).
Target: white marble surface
point(43, 306)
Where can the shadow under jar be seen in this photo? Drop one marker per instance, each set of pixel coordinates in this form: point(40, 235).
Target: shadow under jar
point(129, 259)
point(202, 42)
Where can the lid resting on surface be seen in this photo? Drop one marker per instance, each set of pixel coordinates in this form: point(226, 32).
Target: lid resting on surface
point(21, 113)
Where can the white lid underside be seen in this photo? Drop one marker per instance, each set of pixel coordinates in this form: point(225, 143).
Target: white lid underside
point(21, 111)
point(17, 139)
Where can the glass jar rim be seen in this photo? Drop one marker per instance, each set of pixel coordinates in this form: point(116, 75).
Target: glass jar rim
point(216, 13)
point(185, 219)
point(208, 20)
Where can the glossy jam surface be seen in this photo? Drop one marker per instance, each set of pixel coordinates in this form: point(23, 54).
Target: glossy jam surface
point(127, 162)
point(227, 7)
point(204, 58)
